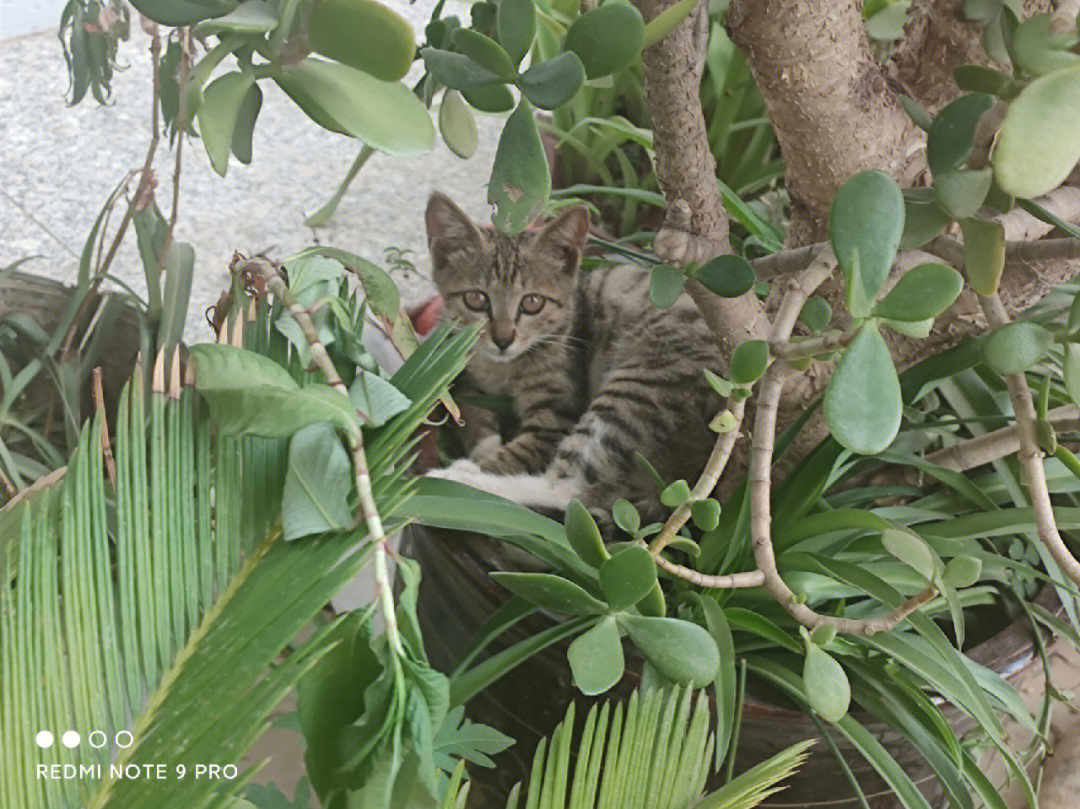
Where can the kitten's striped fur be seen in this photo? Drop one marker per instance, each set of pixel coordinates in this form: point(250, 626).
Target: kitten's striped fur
point(597, 374)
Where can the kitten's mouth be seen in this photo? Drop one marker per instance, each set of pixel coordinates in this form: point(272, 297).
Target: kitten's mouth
point(500, 355)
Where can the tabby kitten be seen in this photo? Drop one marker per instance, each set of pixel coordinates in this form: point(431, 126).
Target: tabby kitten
point(594, 370)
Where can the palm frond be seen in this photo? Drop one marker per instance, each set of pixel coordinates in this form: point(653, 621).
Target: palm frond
point(158, 605)
point(653, 754)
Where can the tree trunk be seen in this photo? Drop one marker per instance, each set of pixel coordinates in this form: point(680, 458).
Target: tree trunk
point(828, 100)
point(696, 225)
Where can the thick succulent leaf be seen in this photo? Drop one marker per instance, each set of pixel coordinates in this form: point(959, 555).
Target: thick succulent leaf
point(862, 403)
point(865, 226)
point(1039, 140)
point(386, 116)
point(520, 180)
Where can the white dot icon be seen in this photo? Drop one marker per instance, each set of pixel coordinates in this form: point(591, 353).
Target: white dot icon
point(70, 739)
point(44, 739)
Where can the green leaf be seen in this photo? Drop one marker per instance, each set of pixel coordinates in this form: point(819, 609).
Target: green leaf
point(727, 276)
point(1015, 347)
point(724, 684)
point(317, 484)
point(584, 535)
point(1071, 371)
point(823, 635)
point(551, 593)
point(596, 658)
point(911, 550)
point(918, 329)
point(865, 225)
point(749, 361)
point(949, 141)
point(666, 21)
point(705, 513)
point(363, 34)
point(681, 651)
point(962, 192)
point(862, 403)
point(626, 516)
point(606, 39)
point(920, 117)
point(962, 571)
point(923, 292)
point(176, 13)
point(665, 285)
point(516, 26)
point(386, 116)
point(676, 494)
point(494, 97)
point(224, 98)
point(1039, 140)
point(924, 219)
point(982, 79)
point(888, 23)
point(457, 125)
point(1036, 51)
point(485, 51)
point(984, 254)
point(249, 393)
point(520, 180)
point(627, 577)
point(381, 293)
point(376, 398)
point(554, 82)
point(244, 127)
point(458, 738)
point(250, 17)
point(456, 70)
point(816, 313)
point(826, 684)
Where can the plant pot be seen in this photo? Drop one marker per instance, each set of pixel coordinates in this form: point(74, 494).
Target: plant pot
point(113, 324)
point(458, 596)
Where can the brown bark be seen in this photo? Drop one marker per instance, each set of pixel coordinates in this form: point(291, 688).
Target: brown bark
point(828, 100)
point(696, 226)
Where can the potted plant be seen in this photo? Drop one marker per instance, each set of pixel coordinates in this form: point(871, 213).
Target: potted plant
point(259, 474)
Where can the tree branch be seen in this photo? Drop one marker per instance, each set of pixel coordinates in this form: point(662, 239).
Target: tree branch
point(989, 447)
point(1030, 455)
point(696, 226)
point(368, 509)
point(705, 485)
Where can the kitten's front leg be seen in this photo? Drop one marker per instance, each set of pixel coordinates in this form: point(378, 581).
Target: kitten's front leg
point(543, 426)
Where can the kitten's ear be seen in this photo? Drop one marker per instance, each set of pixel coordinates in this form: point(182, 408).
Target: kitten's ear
point(449, 228)
point(565, 235)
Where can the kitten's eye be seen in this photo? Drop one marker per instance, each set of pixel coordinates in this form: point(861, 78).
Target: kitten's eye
point(531, 304)
point(476, 300)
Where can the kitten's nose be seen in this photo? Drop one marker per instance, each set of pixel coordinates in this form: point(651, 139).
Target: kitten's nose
point(502, 339)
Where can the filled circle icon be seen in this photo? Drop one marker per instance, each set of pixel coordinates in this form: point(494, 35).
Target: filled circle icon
point(44, 739)
point(70, 739)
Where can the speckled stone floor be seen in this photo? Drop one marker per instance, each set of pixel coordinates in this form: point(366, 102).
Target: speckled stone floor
point(58, 164)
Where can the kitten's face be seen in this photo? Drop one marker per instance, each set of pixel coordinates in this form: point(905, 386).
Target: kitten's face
point(521, 288)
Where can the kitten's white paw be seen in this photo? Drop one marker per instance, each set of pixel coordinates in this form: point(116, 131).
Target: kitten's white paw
point(486, 448)
point(460, 470)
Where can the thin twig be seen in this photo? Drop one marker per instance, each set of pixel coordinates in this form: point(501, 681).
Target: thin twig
point(801, 349)
point(761, 455)
point(732, 581)
point(181, 129)
point(106, 446)
point(1030, 455)
point(704, 487)
point(138, 200)
point(368, 509)
point(989, 447)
